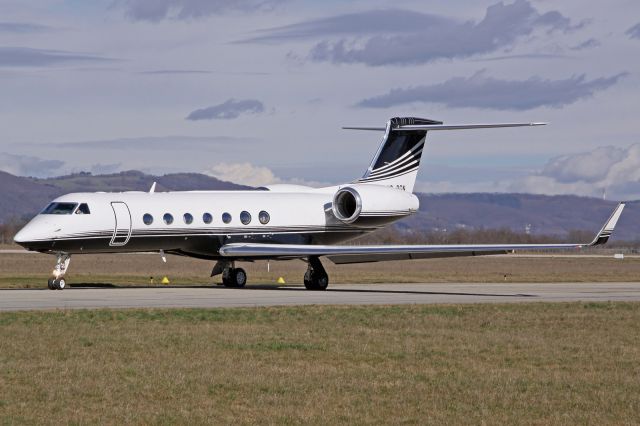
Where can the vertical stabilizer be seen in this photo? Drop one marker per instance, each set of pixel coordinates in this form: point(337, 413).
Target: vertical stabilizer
point(397, 161)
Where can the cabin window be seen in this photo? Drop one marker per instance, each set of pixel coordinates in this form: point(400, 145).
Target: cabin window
point(226, 217)
point(245, 218)
point(147, 219)
point(60, 208)
point(264, 217)
point(83, 209)
point(167, 218)
point(188, 219)
point(207, 218)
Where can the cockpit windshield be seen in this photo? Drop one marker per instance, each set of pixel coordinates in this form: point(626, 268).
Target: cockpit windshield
point(59, 208)
point(83, 209)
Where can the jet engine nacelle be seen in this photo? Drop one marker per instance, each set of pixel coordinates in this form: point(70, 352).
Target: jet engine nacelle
point(372, 204)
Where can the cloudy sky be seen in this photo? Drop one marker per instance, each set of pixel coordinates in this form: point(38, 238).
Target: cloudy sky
point(256, 91)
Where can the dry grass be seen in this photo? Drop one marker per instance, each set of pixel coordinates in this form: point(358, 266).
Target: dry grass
point(32, 270)
point(495, 364)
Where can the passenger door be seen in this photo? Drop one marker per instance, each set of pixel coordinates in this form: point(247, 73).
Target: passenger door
point(122, 225)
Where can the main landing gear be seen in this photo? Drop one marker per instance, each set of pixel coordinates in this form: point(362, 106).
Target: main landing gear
point(231, 276)
point(316, 277)
point(57, 281)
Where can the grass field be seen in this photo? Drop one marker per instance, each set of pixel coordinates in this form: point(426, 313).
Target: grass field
point(32, 270)
point(493, 364)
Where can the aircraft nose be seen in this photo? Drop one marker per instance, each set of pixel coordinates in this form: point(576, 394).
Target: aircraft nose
point(24, 235)
point(32, 232)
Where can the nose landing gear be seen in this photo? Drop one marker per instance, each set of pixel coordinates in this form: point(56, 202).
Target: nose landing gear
point(57, 281)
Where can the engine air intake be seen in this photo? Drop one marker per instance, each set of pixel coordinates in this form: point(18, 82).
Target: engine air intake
point(347, 205)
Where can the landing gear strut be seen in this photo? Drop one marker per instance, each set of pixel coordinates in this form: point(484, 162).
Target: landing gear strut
point(316, 277)
point(57, 281)
point(231, 276)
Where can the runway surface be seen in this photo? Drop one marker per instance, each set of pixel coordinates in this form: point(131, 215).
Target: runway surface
point(361, 294)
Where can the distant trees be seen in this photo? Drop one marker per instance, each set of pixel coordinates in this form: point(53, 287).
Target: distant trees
point(9, 229)
point(392, 235)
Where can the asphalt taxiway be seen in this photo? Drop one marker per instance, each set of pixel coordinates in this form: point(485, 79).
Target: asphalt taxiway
point(355, 294)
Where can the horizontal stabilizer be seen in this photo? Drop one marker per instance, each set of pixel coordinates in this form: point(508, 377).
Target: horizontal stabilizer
point(429, 127)
point(377, 129)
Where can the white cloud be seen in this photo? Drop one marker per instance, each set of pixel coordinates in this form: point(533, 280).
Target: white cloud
point(27, 165)
point(611, 169)
point(539, 184)
point(591, 167)
point(443, 186)
point(243, 173)
point(252, 175)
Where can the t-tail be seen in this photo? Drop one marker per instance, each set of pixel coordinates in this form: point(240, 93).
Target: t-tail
point(397, 161)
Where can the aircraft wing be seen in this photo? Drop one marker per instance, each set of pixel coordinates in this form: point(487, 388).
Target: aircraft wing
point(374, 253)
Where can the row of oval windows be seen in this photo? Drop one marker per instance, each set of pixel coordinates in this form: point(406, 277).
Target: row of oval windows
point(245, 218)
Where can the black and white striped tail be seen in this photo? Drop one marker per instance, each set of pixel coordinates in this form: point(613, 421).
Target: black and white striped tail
point(397, 161)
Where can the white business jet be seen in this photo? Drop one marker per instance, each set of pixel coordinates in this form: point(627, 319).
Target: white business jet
point(272, 223)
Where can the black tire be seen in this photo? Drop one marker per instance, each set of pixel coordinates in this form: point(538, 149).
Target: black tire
point(239, 277)
point(50, 284)
point(227, 276)
point(316, 281)
point(322, 281)
point(236, 278)
point(308, 284)
point(61, 283)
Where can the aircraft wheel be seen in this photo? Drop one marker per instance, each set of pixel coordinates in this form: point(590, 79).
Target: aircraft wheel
point(226, 279)
point(316, 280)
point(307, 280)
point(60, 283)
point(236, 277)
point(239, 277)
point(56, 283)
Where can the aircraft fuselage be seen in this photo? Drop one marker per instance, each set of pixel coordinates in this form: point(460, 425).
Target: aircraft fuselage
point(193, 223)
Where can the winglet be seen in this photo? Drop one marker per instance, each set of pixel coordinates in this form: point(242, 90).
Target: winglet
point(607, 229)
point(153, 188)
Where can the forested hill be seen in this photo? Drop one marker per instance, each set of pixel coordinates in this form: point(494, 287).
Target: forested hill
point(536, 214)
point(23, 197)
